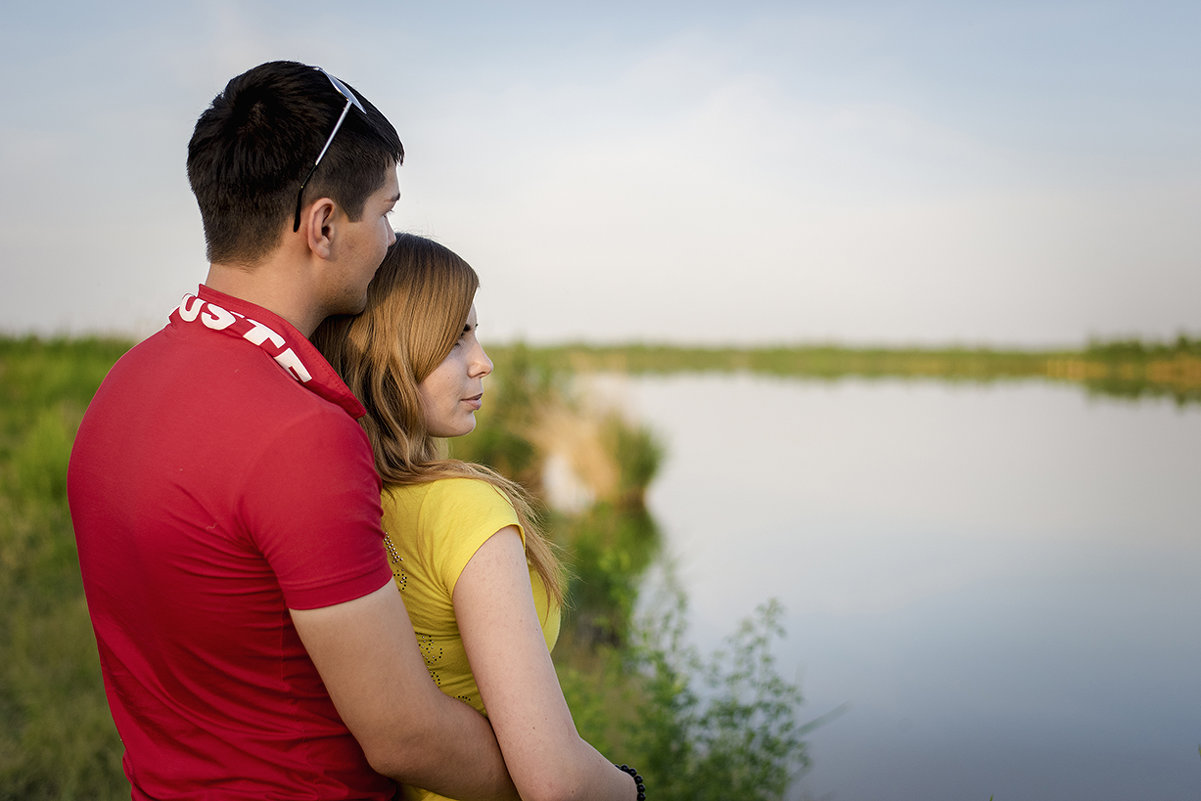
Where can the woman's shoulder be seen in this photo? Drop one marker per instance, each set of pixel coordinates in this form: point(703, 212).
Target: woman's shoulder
point(452, 491)
point(446, 520)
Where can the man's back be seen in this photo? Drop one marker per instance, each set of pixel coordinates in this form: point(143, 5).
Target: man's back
point(225, 501)
point(211, 491)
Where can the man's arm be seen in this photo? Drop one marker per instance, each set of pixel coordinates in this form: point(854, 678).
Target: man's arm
point(367, 655)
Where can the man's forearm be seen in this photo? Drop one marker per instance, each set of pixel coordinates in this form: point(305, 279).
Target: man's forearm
point(457, 757)
point(408, 729)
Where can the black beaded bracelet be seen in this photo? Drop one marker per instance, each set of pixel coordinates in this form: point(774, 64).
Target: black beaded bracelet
point(637, 780)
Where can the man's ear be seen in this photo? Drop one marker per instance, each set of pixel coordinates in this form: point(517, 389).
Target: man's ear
point(317, 220)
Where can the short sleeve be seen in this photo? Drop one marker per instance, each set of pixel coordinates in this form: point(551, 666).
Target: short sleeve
point(457, 516)
point(312, 506)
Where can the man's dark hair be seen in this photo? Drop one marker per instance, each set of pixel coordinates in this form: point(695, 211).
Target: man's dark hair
point(254, 145)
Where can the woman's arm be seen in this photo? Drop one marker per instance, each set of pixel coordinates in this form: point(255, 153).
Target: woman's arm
point(546, 758)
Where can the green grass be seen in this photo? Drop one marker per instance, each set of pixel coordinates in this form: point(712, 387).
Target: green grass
point(58, 741)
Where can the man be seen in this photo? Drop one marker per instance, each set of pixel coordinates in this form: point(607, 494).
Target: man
point(226, 508)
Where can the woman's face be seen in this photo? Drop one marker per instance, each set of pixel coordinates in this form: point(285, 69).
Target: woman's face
point(454, 392)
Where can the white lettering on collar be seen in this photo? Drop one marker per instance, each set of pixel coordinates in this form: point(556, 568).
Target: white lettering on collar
point(218, 318)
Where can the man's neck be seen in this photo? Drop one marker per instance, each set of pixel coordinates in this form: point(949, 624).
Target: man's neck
point(275, 285)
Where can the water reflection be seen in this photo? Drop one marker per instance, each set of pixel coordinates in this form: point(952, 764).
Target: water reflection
point(997, 580)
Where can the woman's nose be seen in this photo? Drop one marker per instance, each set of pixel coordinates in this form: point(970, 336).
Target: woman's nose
point(480, 363)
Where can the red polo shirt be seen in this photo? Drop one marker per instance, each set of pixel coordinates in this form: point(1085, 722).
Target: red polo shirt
point(218, 479)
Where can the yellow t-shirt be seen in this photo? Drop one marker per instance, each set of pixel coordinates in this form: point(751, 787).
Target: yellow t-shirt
point(433, 531)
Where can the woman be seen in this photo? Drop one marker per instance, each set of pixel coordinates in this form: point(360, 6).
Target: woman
point(481, 584)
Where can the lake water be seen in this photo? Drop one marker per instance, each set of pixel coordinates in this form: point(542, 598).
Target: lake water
point(1000, 583)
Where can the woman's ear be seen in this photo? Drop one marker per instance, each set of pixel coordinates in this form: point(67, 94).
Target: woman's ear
point(317, 221)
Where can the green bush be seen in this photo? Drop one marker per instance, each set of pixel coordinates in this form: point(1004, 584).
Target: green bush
point(609, 548)
point(697, 729)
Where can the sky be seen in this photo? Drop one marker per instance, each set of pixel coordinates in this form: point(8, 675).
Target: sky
point(1007, 174)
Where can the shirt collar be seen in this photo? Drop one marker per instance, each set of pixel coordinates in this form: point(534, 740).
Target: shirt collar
point(221, 313)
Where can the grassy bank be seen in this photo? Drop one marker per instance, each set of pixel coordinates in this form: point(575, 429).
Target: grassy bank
point(726, 722)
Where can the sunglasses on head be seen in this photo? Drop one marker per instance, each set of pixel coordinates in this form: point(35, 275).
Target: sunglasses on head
point(351, 100)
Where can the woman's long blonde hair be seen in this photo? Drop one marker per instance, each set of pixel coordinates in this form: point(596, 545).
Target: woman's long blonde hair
point(417, 306)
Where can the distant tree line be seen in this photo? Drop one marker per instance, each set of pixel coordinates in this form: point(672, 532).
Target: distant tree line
point(1135, 349)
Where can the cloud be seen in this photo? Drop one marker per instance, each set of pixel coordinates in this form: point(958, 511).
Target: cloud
point(769, 175)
